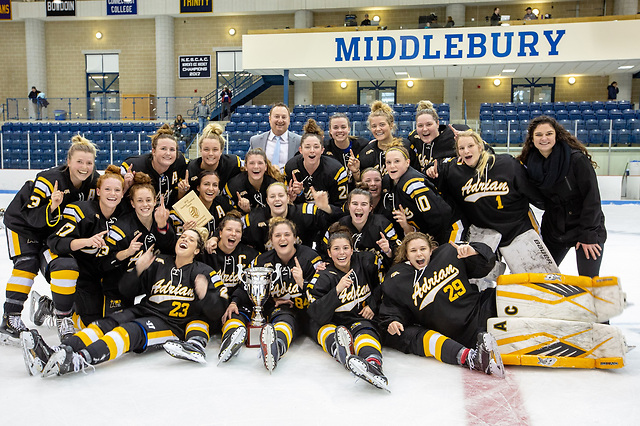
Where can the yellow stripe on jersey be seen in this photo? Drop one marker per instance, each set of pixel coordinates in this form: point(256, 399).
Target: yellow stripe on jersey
point(231, 324)
point(309, 208)
point(49, 256)
point(14, 244)
point(342, 176)
point(43, 185)
point(73, 212)
point(39, 192)
point(456, 232)
point(64, 282)
point(117, 341)
point(115, 233)
point(194, 326)
point(91, 334)
point(159, 337)
point(245, 220)
point(413, 184)
point(364, 340)
point(432, 343)
point(323, 333)
point(286, 330)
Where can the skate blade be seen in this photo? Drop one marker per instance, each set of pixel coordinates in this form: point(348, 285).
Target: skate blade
point(52, 368)
point(35, 296)
point(236, 340)
point(33, 364)
point(360, 370)
point(496, 366)
point(344, 342)
point(9, 341)
point(178, 351)
point(267, 338)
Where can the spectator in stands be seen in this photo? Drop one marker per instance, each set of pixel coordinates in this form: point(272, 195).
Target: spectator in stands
point(366, 21)
point(279, 143)
point(529, 16)
point(612, 91)
point(202, 112)
point(225, 99)
point(450, 22)
point(180, 129)
point(495, 18)
point(37, 107)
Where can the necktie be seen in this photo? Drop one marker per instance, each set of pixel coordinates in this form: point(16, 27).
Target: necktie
point(276, 150)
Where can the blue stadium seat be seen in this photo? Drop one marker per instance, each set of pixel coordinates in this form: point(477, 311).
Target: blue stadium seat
point(524, 125)
point(312, 114)
point(534, 105)
point(535, 113)
point(343, 108)
point(596, 105)
point(562, 114)
point(252, 127)
point(259, 117)
point(591, 124)
point(332, 109)
point(323, 116)
point(241, 126)
point(584, 105)
point(405, 125)
point(357, 116)
point(513, 125)
point(602, 114)
point(611, 105)
point(615, 113)
point(500, 125)
point(628, 113)
point(596, 137)
point(614, 137)
point(236, 118)
point(635, 137)
point(486, 115)
point(633, 123)
point(523, 115)
point(588, 113)
point(499, 115)
point(501, 137)
point(487, 125)
point(296, 127)
point(549, 112)
point(241, 109)
point(247, 117)
point(603, 124)
point(321, 108)
point(498, 106)
point(264, 109)
point(250, 109)
point(515, 137)
point(619, 124)
point(575, 114)
point(264, 126)
point(624, 137)
point(230, 127)
point(511, 114)
point(236, 136)
point(582, 135)
point(559, 106)
point(488, 136)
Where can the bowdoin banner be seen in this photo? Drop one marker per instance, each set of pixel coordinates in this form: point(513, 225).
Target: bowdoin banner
point(60, 7)
point(594, 41)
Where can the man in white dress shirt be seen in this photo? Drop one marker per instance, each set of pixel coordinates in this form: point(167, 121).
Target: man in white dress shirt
point(278, 143)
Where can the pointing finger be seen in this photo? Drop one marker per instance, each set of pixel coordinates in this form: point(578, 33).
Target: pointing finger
point(55, 186)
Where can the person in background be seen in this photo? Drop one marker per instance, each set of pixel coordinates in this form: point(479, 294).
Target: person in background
point(225, 99)
point(278, 143)
point(366, 21)
point(450, 22)
point(495, 18)
point(612, 91)
point(180, 129)
point(529, 16)
point(37, 107)
point(202, 112)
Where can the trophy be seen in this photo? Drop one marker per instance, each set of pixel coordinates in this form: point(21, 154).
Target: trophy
point(257, 282)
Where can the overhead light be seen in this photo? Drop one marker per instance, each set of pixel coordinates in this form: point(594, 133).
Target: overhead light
point(625, 67)
point(402, 73)
point(343, 84)
point(232, 31)
point(410, 83)
point(98, 35)
point(572, 80)
point(496, 82)
point(505, 71)
point(376, 18)
point(300, 75)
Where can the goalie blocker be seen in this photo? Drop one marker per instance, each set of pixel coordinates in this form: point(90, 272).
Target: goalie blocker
point(555, 343)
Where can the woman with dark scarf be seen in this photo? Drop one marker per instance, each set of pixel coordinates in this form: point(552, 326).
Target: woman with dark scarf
point(561, 167)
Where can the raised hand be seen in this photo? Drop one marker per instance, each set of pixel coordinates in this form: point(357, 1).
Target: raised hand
point(243, 203)
point(183, 185)
point(201, 284)
point(56, 197)
point(296, 271)
point(432, 171)
point(353, 164)
point(383, 243)
point(134, 246)
point(321, 199)
point(145, 260)
point(345, 282)
point(464, 250)
point(161, 214)
point(128, 177)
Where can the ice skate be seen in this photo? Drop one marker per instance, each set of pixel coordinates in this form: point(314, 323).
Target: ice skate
point(486, 357)
point(11, 328)
point(41, 310)
point(344, 345)
point(35, 351)
point(64, 361)
point(66, 328)
point(190, 350)
point(369, 371)
point(231, 344)
point(269, 347)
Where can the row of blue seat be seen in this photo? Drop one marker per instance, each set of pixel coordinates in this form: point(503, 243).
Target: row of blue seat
point(324, 117)
point(83, 127)
point(591, 124)
point(563, 114)
point(595, 137)
point(556, 106)
point(331, 109)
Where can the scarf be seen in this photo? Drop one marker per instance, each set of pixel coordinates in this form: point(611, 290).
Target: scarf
point(547, 172)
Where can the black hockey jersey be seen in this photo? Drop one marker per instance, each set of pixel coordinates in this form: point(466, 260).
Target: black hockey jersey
point(326, 305)
point(499, 201)
point(330, 176)
point(28, 213)
point(220, 206)
point(240, 183)
point(372, 156)
point(309, 220)
point(226, 265)
point(342, 155)
point(166, 183)
point(170, 292)
point(228, 167)
point(443, 146)
point(439, 296)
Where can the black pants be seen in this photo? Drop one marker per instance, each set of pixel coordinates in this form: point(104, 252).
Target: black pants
point(586, 267)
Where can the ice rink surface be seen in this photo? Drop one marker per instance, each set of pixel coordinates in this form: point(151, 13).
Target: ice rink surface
point(310, 388)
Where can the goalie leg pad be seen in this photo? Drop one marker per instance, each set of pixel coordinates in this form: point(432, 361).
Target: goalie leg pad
point(558, 296)
point(555, 343)
point(528, 253)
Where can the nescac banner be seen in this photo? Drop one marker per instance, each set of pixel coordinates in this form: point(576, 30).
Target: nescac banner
point(196, 6)
point(5, 10)
point(60, 7)
point(122, 7)
point(595, 41)
point(195, 66)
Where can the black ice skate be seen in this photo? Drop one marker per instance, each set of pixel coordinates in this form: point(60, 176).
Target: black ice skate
point(344, 345)
point(64, 361)
point(66, 328)
point(486, 357)
point(232, 343)
point(369, 371)
point(190, 350)
point(11, 328)
point(41, 310)
point(35, 351)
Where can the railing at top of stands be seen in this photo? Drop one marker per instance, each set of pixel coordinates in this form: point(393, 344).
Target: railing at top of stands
point(239, 82)
point(101, 107)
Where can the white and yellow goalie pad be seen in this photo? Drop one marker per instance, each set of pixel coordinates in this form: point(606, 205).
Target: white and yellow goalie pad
point(558, 296)
point(556, 344)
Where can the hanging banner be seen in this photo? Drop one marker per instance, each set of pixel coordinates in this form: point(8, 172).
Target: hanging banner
point(196, 6)
point(122, 7)
point(5, 10)
point(60, 7)
point(195, 66)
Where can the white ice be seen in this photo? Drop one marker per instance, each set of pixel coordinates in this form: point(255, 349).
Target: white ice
point(309, 387)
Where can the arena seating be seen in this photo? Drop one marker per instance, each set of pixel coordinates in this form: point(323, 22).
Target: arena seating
point(592, 122)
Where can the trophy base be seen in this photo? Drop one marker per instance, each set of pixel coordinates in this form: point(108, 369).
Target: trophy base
point(253, 336)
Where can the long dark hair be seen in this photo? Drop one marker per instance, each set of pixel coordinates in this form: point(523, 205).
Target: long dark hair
point(562, 135)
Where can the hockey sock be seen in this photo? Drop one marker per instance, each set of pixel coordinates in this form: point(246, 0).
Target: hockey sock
point(462, 356)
